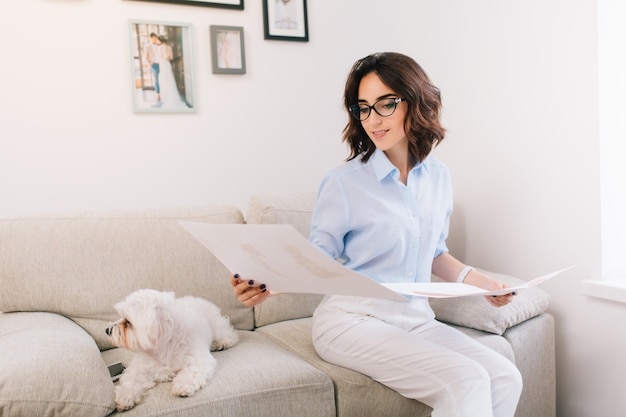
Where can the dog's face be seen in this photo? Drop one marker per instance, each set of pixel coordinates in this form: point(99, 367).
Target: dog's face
point(145, 322)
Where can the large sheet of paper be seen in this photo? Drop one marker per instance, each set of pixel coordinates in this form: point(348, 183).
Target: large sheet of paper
point(453, 289)
point(280, 257)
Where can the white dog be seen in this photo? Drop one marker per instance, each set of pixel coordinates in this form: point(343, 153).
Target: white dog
point(172, 339)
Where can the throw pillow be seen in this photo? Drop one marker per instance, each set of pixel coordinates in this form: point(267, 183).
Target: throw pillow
point(51, 367)
point(476, 313)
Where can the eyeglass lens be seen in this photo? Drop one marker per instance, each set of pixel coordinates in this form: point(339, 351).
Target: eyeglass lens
point(384, 107)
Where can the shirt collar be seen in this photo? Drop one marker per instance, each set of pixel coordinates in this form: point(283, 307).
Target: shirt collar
point(383, 166)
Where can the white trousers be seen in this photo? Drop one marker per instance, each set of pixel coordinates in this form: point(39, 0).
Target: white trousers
point(417, 356)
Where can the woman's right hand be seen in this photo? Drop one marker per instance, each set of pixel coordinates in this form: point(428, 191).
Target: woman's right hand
point(247, 292)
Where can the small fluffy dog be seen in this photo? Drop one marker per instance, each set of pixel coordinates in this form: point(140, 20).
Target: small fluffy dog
point(172, 339)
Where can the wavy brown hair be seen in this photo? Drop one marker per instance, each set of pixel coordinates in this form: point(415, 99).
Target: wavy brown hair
point(409, 81)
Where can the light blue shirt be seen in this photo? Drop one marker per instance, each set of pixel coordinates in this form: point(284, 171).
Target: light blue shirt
point(381, 228)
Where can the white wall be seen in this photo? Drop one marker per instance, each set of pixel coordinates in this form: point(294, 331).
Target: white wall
point(519, 81)
point(74, 143)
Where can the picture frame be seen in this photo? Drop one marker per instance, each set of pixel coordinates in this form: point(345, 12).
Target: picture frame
point(224, 4)
point(227, 49)
point(285, 20)
point(161, 63)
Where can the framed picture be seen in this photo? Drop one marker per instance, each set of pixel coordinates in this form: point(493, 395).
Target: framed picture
point(227, 50)
point(285, 20)
point(161, 67)
point(225, 4)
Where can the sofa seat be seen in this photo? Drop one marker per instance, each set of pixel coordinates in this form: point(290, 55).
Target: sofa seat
point(350, 386)
point(295, 336)
point(255, 378)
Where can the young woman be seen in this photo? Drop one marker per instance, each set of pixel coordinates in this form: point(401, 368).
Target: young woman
point(170, 96)
point(385, 213)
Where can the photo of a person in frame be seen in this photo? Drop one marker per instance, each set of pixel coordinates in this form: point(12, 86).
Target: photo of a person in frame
point(168, 94)
point(228, 49)
point(161, 68)
point(286, 15)
point(152, 57)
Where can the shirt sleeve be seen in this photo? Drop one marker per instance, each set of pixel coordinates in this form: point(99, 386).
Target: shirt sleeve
point(441, 244)
point(441, 247)
point(329, 222)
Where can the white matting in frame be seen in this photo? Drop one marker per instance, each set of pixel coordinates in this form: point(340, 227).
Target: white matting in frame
point(161, 64)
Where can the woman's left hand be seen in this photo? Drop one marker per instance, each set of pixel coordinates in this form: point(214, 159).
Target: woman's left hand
point(478, 279)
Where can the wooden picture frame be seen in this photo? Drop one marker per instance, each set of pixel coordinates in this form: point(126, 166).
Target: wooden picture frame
point(227, 50)
point(285, 20)
point(161, 65)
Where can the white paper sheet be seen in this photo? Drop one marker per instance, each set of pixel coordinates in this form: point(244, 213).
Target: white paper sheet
point(280, 257)
point(453, 289)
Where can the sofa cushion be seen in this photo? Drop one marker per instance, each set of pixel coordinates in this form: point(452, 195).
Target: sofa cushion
point(79, 266)
point(254, 378)
point(282, 208)
point(285, 307)
point(295, 335)
point(287, 208)
point(477, 313)
point(350, 386)
point(51, 367)
point(492, 341)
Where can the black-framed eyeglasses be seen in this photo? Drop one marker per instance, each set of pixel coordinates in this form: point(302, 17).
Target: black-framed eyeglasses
point(384, 107)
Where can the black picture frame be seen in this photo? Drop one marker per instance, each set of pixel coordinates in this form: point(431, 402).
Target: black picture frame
point(227, 50)
point(223, 4)
point(285, 20)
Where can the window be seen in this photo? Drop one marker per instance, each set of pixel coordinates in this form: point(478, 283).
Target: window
point(612, 107)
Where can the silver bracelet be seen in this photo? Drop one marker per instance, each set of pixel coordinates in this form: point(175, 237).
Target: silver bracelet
point(464, 273)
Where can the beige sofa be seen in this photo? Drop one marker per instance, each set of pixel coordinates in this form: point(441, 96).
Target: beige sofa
point(61, 275)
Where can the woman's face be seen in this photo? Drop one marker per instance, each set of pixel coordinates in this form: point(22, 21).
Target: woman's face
point(387, 133)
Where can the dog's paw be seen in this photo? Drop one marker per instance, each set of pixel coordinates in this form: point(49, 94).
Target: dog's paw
point(225, 343)
point(184, 388)
point(187, 382)
point(123, 403)
point(124, 406)
point(126, 398)
point(164, 375)
point(218, 345)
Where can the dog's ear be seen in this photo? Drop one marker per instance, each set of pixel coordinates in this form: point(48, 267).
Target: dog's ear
point(162, 327)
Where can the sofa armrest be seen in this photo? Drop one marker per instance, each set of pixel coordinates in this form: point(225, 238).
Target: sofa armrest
point(477, 313)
